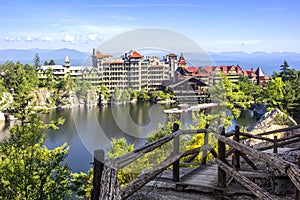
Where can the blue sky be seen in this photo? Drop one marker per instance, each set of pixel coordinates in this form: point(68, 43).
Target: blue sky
point(216, 25)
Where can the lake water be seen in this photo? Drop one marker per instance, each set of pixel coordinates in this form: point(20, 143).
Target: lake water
point(87, 129)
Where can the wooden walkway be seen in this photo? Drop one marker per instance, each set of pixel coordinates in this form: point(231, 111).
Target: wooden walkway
point(236, 163)
point(205, 176)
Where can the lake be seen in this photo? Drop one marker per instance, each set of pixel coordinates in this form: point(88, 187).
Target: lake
point(87, 129)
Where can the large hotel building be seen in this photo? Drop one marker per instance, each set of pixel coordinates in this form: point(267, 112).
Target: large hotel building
point(133, 70)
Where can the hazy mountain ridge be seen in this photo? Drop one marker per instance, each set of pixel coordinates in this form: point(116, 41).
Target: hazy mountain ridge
point(58, 55)
point(269, 62)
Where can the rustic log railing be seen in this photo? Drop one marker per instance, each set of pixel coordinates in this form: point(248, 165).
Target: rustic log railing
point(108, 170)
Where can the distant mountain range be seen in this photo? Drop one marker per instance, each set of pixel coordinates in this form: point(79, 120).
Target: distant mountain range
point(26, 56)
point(269, 62)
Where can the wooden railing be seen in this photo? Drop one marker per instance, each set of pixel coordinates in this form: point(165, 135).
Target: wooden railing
point(106, 186)
point(239, 149)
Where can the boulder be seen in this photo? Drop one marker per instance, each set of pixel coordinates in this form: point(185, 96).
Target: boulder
point(272, 120)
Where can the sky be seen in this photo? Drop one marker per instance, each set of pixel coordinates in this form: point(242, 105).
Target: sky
point(216, 25)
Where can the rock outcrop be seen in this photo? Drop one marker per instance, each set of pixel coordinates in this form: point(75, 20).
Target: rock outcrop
point(273, 120)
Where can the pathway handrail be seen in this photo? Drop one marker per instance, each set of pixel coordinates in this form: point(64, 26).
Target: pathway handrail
point(111, 166)
point(289, 169)
point(148, 175)
point(290, 128)
point(130, 157)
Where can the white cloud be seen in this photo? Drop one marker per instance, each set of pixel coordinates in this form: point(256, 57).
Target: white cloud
point(47, 38)
point(93, 37)
point(28, 38)
point(69, 38)
point(12, 39)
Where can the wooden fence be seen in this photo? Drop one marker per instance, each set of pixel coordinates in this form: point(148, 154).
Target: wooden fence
point(106, 185)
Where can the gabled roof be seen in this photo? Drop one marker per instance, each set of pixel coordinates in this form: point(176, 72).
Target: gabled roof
point(192, 69)
point(237, 69)
point(209, 69)
point(259, 72)
point(249, 73)
point(181, 71)
point(100, 55)
point(181, 60)
point(135, 54)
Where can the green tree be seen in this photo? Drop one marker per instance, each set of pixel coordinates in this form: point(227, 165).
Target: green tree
point(119, 147)
point(50, 80)
point(83, 88)
point(81, 184)
point(162, 130)
point(36, 61)
point(251, 91)
point(116, 97)
point(274, 93)
point(289, 95)
point(51, 62)
point(286, 73)
point(143, 95)
point(104, 92)
point(21, 84)
point(28, 170)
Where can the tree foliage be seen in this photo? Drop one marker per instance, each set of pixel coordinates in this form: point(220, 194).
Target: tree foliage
point(82, 89)
point(81, 184)
point(28, 169)
point(283, 91)
point(36, 61)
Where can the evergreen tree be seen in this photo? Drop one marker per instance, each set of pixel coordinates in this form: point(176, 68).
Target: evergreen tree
point(28, 170)
point(36, 61)
point(51, 62)
point(286, 73)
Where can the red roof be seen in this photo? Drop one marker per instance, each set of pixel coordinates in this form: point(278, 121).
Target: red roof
point(250, 73)
point(209, 69)
point(100, 55)
point(135, 55)
point(172, 55)
point(181, 60)
point(192, 69)
point(237, 69)
point(227, 69)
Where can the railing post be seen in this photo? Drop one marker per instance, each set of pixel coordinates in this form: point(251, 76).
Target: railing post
point(175, 152)
point(204, 153)
point(98, 168)
point(221, 156)
point(275, 144)
point(236, 152)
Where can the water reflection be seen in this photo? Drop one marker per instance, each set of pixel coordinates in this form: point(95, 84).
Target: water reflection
point(87, 129)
